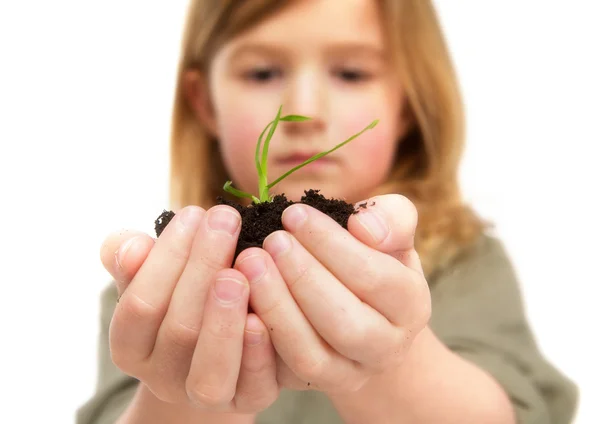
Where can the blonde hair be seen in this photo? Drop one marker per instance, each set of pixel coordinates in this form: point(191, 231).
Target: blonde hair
point(427, 164)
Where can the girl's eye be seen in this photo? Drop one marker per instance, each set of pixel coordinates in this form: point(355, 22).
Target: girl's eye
point(352, 75)
point(263, 75)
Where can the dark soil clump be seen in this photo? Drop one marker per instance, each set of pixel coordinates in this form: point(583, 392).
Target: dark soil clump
point(260, 220)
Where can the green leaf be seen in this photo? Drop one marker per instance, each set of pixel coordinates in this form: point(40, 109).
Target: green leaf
point(263, 189)
point(238, 193)
point(262, 171)
point(371, 125)
point(265, 150)
point(320, 155)
point(295, 118)
point(257, 153)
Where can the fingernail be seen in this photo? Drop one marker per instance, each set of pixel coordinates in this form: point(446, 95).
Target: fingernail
point(253, 267)
point(277, 243)
point(374, 224)
point(252, 339)
point(294, 216)
point(229, 290)
point(120, 256)
point(224, 220)
point(190, 217)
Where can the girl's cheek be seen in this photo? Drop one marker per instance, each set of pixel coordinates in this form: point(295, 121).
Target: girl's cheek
point(376, 146)
point(356, 111)
point(353, 120)
point(241, 127)
point(238, 144)
point(237, 141)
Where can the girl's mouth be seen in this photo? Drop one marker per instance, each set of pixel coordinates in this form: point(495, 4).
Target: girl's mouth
point(296, 159)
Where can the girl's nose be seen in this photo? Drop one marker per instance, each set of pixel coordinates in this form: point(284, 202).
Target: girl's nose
point(306, 95)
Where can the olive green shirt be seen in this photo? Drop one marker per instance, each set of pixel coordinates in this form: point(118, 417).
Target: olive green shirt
point(477, 311)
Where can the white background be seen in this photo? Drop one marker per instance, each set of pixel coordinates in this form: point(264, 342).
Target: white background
point(85, 99)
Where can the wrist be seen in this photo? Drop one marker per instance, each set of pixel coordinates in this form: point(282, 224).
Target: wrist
point(394, 386)
point(432, 385)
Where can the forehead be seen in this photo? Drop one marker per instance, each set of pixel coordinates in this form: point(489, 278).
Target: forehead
point(317, 23)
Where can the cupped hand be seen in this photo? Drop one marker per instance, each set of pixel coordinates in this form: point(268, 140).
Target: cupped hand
point(341, 305)
point(181, 325)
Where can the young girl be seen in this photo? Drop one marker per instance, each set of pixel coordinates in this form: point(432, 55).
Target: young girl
point(347, 326)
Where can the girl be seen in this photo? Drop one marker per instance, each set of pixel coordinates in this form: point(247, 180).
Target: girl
point(349, 325)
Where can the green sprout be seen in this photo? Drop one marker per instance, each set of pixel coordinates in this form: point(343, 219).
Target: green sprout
point(261, 160)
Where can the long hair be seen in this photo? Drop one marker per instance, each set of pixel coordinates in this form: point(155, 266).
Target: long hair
point(426, 168)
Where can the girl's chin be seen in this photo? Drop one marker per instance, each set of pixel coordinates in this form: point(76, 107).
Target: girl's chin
point(295, 190)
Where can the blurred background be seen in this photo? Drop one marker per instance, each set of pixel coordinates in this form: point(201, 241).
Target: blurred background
point(85, 102)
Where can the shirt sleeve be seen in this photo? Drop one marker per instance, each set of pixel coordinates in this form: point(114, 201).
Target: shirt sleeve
point(477, 311)
point(114, 389)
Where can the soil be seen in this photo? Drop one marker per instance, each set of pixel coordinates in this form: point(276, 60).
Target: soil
point(260, 220)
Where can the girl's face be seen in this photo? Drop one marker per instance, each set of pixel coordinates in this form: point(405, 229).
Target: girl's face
point(325, 59)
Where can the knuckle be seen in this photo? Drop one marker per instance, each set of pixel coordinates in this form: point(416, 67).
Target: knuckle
point(352, 334)
point(207, 262)
point(424, 314)
point(255, 400)
point(181, 335)
point(394, 353)
point(378, 279)
point(322, 238)
point(223, 330)
point(375, 278)
point(137, 311)
point(177, 253)
point(166, 392)
point(122, 354)
point(414, 285)
point(302, 275)
point(287, 378)
point(348, 382)
point(363, 263)
point(255, 367)
point(390, 353)
point(271, 309)
point(310, 367)
point(421, 309)
point(122, 360)
point(208, 396)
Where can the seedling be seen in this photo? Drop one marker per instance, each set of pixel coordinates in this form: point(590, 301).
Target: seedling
point(260, 160)
point(263, 215)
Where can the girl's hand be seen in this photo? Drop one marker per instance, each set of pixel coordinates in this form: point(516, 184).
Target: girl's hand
point(181, 326)
point(341, 306)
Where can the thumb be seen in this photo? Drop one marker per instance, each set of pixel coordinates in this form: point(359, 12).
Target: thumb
point(388, 223)
point(123, 253)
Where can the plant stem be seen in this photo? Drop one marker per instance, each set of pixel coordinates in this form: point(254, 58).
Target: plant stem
point(320, 155)
point(261, 162)
point(263, 188)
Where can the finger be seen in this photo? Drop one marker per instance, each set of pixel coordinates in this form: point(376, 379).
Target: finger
point(212, 250)
point(378, 279)
point(142, 306)
point(350, 326)
point(294, 338)
point(122, 254)
point(217, 358)
point(388, 224)
point(287, 379)
point(257, 386)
